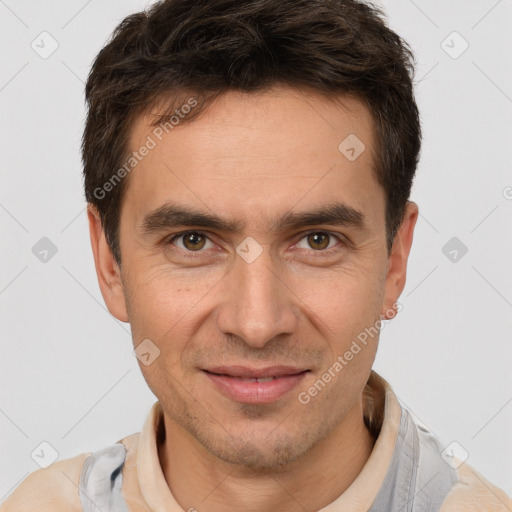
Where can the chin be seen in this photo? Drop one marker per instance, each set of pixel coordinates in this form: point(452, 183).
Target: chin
point(260, 458)
point(259, 449)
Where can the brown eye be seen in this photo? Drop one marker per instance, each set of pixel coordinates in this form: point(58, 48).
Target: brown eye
point(193, 241)
point(318, 241)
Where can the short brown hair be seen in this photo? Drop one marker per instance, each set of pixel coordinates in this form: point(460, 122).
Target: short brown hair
point(208, 47)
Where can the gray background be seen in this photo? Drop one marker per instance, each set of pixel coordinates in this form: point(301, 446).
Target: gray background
point(68, 376)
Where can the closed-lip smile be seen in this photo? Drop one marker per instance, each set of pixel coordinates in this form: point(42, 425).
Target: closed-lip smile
point(255, 385)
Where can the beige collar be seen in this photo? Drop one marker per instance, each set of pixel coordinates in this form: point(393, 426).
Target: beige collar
point(359, 496)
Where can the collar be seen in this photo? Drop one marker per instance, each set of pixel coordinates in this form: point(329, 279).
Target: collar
point(359, 496)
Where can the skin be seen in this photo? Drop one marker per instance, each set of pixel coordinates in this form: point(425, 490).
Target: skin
point(251, 158)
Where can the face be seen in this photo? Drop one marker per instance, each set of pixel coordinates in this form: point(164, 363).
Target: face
point(252, 246)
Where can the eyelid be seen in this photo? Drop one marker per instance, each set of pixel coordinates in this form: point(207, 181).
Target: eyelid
point(170, 239)
point(301, 236)
point(337, 236)
point(182, 233)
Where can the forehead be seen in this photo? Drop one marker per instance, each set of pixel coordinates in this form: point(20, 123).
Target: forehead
point(256, 154)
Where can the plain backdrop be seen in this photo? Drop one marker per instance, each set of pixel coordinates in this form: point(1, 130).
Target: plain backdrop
point(68, 374)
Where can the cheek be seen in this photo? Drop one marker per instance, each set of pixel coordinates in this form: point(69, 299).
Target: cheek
point(344, 300)
point(347, 316)
point(166, 309)
point(351, 342)
point(163, 303)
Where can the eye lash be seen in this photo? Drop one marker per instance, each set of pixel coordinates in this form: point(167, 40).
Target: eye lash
point(319, 253)
point(184, 253)
point(183, 233)
point(190, 254)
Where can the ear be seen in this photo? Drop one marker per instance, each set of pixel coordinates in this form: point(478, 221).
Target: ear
point(107, 269)
point(397, 265)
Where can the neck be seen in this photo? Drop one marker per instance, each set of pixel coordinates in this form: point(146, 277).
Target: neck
point(199, 480)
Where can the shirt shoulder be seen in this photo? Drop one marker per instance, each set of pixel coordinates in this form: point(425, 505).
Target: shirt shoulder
point(474, 493)
point(49, 489)
point(66, 483)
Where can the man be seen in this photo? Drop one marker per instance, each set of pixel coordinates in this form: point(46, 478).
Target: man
point(248, 166)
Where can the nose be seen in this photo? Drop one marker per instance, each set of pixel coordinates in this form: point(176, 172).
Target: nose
point(258, 304)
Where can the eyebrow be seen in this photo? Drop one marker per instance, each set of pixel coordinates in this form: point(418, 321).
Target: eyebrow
point(172, 215)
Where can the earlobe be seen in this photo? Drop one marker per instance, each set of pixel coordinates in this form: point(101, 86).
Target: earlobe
point(397, 265)
point(107, 268)
point(390, 312)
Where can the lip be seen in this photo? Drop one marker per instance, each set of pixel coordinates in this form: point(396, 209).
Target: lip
point(254, 373)
point(238, 382)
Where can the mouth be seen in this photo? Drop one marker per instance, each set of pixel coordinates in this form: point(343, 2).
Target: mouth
point(255, 386)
